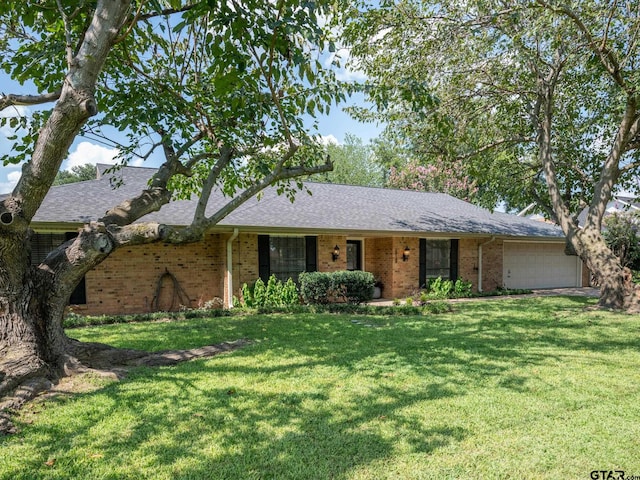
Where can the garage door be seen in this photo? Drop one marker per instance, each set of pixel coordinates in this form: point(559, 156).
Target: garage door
point(539, 265)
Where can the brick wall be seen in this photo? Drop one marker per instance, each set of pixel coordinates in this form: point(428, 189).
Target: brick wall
point(406, 274)
point(126, 282)
point(383, 258)
point(468, 261)
point(377, 255)
point(326, 244)
point(245, 261)
point(492, 255)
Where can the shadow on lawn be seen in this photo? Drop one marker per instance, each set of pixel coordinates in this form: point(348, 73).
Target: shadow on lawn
point(172, 421)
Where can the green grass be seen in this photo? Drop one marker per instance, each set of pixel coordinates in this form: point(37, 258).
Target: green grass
point(534, 388)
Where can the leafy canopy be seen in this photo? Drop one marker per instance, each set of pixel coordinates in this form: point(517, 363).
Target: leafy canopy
point(462, 82)
point(194, 80)
point(354, 163)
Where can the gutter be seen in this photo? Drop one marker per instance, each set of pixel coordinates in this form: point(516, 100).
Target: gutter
point(480, 262)
point(229, 272)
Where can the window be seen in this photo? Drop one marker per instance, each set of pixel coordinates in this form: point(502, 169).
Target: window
point(286, 257)
point(438, 258)
point(42, 244)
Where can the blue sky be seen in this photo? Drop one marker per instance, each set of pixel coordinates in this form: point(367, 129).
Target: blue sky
point(84, 150)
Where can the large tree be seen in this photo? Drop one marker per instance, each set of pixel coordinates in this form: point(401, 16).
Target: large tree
point(354, 163)
point(219, 88)
point(538, 99)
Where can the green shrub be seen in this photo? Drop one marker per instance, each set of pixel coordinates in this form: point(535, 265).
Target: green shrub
point(439, 289)
point(354, 286)
point(290, 294)
point(315, 287)
point(273, 294)
point(462, 289)
point(259, 293)
point(322, 287)
point(437, 307)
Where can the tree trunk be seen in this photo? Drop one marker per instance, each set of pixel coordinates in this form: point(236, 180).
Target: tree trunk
point(617, 291)
point(33, 342)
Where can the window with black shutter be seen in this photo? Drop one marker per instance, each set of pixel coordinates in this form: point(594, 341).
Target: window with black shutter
point(286, 257)
point(438, 258)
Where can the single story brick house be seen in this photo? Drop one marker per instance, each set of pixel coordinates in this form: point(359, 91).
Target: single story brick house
point(402, 237)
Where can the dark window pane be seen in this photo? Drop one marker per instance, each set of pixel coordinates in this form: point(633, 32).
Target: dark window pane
point(438, 259)
point(287, 257)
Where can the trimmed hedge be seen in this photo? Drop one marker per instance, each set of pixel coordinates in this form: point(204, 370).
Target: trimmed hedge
point(324, 287)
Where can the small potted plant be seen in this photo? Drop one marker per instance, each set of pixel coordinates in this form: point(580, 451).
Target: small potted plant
point(377, 289)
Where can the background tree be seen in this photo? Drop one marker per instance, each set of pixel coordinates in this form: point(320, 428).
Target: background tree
point(354, 163)
point(537, 100)
point(219, 88)
point(438, 177)
point(78, 173)
point(622, 234)
point(406, 169)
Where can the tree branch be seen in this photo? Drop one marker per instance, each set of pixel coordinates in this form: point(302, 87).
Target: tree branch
point(209, 183)
point(195, 231)
point(12, 100)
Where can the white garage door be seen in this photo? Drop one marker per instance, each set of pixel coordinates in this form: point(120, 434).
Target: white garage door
point(539, 265)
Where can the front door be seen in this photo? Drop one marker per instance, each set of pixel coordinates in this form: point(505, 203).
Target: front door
point(354, 254)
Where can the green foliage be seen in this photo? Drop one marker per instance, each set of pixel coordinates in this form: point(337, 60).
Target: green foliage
point(462, 288)
point(79, 173)
point(273, 294)
point(323, 287)
point(353, 164)
point(290, 293)
point(355, 286)
point(74, 320)
point(622, 234)
point(259, 293)
point(439, 289)
point(247, 70)
point(316, 287)
point(465, 92)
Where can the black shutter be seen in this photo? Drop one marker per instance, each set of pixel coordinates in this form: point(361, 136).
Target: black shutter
point(422, 276)
point(79, 294)
point(453, 261)
point(264, 258)
point(311, 254)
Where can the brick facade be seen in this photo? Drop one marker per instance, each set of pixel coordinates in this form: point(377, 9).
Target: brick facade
point(128, 280)
point(469, 264)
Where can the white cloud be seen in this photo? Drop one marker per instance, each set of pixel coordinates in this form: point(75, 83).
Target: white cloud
point(12, 180)
point(327, 140)
point(87, 152)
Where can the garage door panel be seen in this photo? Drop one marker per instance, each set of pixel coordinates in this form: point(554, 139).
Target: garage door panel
point(536, 265)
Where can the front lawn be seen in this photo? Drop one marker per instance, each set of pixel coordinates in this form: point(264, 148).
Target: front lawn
point(533, 388)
